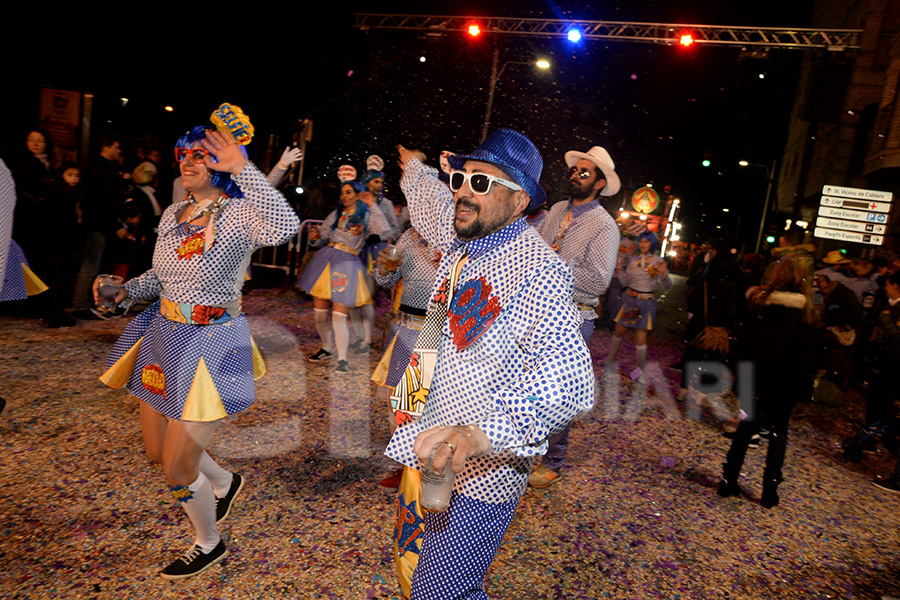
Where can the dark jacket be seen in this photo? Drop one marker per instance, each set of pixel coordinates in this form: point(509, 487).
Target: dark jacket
point(780, 345)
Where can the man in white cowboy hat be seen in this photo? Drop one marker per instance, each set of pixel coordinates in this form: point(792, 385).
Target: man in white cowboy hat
point(511, 367)
point(587, 238)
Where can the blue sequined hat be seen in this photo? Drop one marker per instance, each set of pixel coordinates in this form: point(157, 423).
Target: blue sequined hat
point(516, 155)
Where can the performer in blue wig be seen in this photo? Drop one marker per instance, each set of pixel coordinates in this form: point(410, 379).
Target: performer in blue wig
point(336, 275)
point(189, 357)
point(645, 272)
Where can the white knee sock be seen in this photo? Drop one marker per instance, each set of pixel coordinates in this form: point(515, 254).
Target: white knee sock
point(199, 502)
point(640, 356)
point(324, 328)
point(356, 322)
point(219, 478)
point(341, 334)
point(368, 322)
point(613, 349)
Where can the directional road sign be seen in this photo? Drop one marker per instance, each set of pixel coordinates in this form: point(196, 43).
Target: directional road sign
point(853, 215)
point(849, 236)
point(850, 225)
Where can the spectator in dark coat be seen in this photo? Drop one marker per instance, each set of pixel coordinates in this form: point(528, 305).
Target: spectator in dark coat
point(778, 339)
point(103, 187)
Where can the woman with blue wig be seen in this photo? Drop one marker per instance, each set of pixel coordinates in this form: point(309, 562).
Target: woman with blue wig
point(645, 272)
point(189, 357)
point(336, 275)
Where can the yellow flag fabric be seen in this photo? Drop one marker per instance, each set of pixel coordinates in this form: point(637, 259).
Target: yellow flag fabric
point(409, 527)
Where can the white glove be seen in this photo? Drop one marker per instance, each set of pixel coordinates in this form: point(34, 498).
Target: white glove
point(289, 157)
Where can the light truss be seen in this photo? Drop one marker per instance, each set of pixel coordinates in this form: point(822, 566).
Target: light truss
point(658, 33)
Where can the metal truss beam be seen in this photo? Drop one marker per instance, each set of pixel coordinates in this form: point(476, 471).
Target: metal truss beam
point(658, 33)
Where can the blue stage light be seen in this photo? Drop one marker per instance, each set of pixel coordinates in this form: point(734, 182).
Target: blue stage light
point(574, 35)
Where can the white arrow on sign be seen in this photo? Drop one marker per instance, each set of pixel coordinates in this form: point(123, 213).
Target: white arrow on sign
point(853, 215)
point(848, 192)
point(850, 225)
point(848, 236)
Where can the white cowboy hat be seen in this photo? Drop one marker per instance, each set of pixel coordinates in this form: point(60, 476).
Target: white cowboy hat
point(600, 157)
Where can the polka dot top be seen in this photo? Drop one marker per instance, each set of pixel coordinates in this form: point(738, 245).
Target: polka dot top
point(510, 358)
point(183, 271)
point(417, 270)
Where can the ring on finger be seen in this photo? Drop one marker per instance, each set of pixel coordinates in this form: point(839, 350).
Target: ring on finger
point(452, 446)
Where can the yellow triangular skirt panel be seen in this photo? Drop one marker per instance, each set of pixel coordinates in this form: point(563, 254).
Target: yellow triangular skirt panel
point(384, 365)
point(33, 283)
point(259, 365)
point(203, 402)
point(322, 287)
point(362, 290)
point(117, 376)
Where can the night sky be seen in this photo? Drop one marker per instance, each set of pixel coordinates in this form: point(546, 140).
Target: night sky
point(657, 109)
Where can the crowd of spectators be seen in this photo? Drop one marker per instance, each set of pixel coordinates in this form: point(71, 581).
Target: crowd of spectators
point(75, 223)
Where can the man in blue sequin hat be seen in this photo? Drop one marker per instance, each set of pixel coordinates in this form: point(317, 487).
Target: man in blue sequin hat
point(511, 368)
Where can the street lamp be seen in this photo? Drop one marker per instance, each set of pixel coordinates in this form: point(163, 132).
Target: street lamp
point(496, 73)
point(768, 173)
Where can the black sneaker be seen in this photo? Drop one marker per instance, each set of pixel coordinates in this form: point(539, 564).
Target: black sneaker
point(343, 368)
point(355, 345)
point(223, 505)
point(321, 356)
point(362, 348)
point(754, 442)
point(888, 484)
point(194, 562)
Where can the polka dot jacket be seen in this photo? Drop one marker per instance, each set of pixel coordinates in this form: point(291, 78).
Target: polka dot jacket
point(510, 358)
point(215, 275)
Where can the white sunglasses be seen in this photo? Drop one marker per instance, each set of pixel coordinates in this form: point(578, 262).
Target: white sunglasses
point(479, 183)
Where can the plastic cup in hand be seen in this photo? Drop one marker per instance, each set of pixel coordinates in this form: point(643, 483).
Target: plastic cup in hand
point(392, 258)
point(108, 289)
point(436, 488)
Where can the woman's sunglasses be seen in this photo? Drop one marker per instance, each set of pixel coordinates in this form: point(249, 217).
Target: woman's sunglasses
point(198, 155)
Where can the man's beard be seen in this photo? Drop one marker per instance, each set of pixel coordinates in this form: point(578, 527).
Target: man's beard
point(477, 228)
point(579, 193)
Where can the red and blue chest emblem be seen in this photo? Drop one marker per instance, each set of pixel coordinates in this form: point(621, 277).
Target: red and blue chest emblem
point(472, 311)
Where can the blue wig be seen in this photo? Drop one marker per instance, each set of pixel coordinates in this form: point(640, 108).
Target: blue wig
point(359, 213)
point(219, 179)
point(649, 235)
point(370, 175)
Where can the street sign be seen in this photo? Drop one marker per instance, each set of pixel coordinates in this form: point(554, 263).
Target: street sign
point(884, 207)
point(845, 192)
point(853, 215)
point(849, 236)
point(850, 225)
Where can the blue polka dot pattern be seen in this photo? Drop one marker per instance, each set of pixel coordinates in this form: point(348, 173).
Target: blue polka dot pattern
point(7, 207)
point(346, 273)
point(14, 279)
point(417, 270)
point(458, 547)
point(176, 348)
point(527, 376)
point(261, 218)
